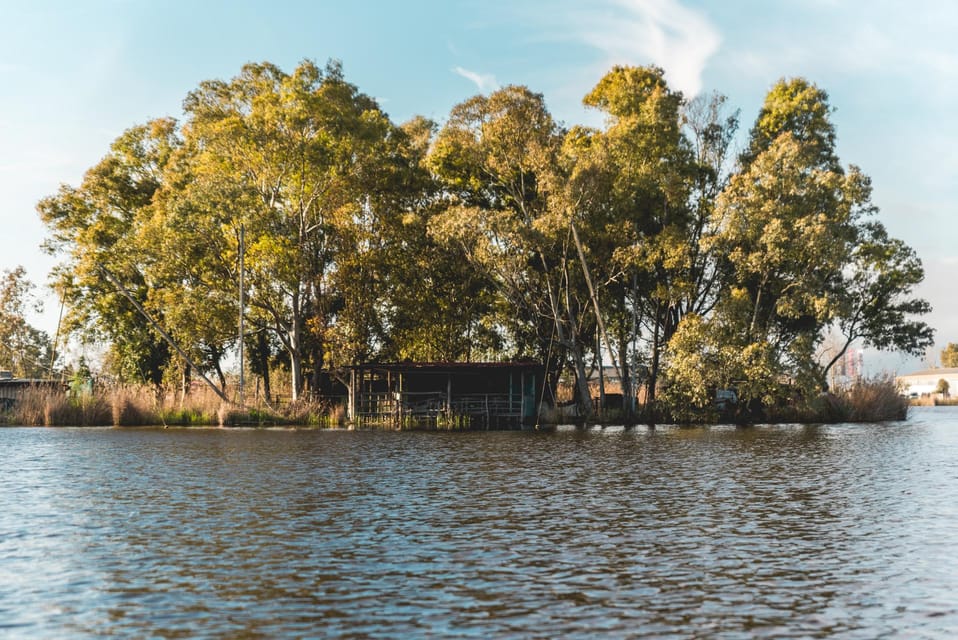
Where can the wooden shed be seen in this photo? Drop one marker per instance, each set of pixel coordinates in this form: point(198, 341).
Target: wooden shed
point(445, 395)
point(12, 389)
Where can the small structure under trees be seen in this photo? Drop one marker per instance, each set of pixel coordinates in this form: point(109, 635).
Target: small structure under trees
point(445, 395)
point(13, 389)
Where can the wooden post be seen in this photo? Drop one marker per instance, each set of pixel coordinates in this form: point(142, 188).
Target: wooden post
point(400, 425)
point(522, 396)
point(449, 394)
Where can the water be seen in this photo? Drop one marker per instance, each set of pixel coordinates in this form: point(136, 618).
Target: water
point(846, 531)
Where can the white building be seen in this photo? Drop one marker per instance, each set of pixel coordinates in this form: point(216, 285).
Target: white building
point(925, 382)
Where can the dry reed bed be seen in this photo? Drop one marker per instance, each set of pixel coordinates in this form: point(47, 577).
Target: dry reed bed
point(140, 406)
point(876, 400)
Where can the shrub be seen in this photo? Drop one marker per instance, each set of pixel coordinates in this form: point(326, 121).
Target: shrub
point(876, 400)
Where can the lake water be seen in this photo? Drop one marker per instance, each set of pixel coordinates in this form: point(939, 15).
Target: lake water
point(846, 531)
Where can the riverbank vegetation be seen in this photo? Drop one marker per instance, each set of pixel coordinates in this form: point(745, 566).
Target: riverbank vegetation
point(646, 244)
point(875, 400)
point(138, 405)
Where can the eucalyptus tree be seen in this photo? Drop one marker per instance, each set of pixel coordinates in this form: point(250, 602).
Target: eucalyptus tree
point(94, 227)
point(25, 350)
point(645, 170)
point(800, 253)
point(710, 129)
point(187, 251)
point(786, 231)
point(498, 157)
point(437, 306)
point(299, 150)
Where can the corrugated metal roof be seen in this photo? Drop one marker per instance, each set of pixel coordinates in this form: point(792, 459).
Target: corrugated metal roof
point(445, 366)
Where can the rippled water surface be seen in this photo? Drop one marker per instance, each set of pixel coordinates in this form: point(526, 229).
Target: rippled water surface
point(805, 531)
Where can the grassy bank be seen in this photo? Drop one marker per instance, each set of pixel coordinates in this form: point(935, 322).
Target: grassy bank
point(137, 406)
point(876, 400)
point(868, 400)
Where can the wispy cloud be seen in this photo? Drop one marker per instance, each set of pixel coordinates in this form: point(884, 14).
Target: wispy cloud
point(484, 81)
point(663, 32)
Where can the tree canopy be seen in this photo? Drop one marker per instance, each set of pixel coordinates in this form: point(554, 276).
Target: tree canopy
point(25, 351)
point(499, 234)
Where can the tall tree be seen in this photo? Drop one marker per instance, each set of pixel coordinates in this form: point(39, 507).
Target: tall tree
point(649, 169)
point(24, 349)
point(301, 148)
point(498, 158)
point(437, 305)
point(94, 227)
point(875, 303)
point(801, 254)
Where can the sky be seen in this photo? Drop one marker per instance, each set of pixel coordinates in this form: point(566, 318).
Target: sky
point(74, 75)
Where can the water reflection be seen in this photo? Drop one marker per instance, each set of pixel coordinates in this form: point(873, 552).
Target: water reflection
point(802, 531)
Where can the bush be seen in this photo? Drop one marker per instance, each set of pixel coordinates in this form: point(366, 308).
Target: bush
point(876, 400)
point(868, 400)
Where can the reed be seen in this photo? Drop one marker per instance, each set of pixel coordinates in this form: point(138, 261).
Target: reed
point(876, 400)
point(867, 400)
point(51, 406)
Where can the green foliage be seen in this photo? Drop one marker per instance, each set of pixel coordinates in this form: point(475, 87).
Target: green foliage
point(24, 349)
point(97, 225)
point(942, 387)
point(949, 355)
point(799, 108)
point(498, 235)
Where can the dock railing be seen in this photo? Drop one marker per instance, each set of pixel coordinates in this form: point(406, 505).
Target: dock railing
point(433, 409)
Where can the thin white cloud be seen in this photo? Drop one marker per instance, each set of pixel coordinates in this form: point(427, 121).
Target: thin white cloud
point(663, 32)
point(484, 81)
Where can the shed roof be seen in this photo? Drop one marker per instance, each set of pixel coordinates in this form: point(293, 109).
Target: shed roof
point(446, 366)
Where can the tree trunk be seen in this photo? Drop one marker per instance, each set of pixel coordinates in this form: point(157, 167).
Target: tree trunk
point(263, 350)
point(598, 357)
point(185, 383)
point(653, 370)
point(220, 375)
point(582, 382)
point(296, 350)
point(823, 381)
point(628, 396)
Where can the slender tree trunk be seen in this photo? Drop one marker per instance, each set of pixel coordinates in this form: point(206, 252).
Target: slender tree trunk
point(582, 381)
point(296, 349)
point(185, 383)
point(220, 376)
point(598, 357)
point(654, 368)
point(595, 300)
point(628, 396)
point(263, 350)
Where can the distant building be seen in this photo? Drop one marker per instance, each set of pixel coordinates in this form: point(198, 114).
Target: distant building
point(925, 382)
point(849, 368)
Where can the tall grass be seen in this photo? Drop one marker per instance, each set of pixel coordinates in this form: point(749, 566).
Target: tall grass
point(47, 406)
point(867, 400)
point(143, 406)
point(876, 400)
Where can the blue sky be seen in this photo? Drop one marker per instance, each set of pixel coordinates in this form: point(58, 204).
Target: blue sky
point(74, 75)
